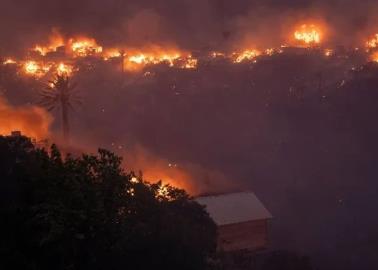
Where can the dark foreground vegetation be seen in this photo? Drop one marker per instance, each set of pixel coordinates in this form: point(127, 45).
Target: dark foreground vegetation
point(87, 213)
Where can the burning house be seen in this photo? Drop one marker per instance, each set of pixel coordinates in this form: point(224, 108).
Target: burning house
point(242, 221)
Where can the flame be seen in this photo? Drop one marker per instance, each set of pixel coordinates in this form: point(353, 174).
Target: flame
point(328, 52)
point(112, 53)
point(31, 67)
point(37, 69)
point(9, 62)
point(137, 60)
point(308, 34)
point(245, 55)
point(56, 41)
point(64, 69)
point(374, 57)
point(217, 54)
point(190, 63)
point(373, 42)
point(84, 47)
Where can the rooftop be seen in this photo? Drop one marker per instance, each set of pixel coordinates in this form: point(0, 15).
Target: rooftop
point(234, 208)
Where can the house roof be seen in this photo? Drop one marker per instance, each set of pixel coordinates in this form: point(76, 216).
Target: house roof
point(234, 208)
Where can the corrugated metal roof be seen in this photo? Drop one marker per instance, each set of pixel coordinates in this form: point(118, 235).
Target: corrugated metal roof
point(234, 208)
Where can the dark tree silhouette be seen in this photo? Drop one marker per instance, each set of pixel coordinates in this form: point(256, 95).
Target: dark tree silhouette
point(60, 93)
point(87, 213)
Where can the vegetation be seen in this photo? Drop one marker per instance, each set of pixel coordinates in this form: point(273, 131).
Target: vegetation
point(88, 213)
point(60, 93)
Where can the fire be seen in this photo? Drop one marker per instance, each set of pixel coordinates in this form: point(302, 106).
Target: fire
point(56, 41)
point(138, 60)
point(112, 53)
point(31, 67)
point(9, 62)
point(37, 69)
point(373, 42)
point(190, 63)
point(308, 34)
point(64, 69)
point(217, 54)
point(374, 57)
point(84, 47)
point(245, 55)
point(328, 52)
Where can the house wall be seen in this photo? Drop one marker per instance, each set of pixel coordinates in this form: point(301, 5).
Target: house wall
point(252, 235)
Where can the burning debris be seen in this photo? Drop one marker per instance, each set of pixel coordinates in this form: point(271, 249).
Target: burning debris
point(60, 55)
point(373, 42)
point(246, 55)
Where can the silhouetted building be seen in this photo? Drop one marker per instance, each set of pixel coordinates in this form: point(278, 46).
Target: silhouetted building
point(242, 221)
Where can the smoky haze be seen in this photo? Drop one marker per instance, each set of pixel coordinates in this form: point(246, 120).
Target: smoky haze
point(211, 24)
point(296, 129)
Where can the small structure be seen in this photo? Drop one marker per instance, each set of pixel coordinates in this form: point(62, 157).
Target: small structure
point(242, 221)
point(16, 133)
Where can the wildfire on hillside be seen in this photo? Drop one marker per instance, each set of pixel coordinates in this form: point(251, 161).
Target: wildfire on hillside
point(82, 47)
point(59, 55)
point(372, 42)
point(56, 41)
point(374, 57)
point(239, 57)
point(308, 34)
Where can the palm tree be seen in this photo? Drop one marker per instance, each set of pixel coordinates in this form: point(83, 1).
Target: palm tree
point(60, 93)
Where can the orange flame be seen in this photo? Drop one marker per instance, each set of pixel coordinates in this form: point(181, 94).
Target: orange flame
point(373, 42)
point(56, 41)
point(82, 47)
point(64, 69)
point(308, 34)
point(374, 57)
point(245, 55)
point(136, 60)
point(9, 62)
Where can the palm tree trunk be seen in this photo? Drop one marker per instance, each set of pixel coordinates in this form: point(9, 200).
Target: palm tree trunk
point(65, 124)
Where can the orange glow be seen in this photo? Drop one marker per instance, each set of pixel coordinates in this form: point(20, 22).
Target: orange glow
point(217, 54)
point(84, 47)
point(245, 55)
point(328, 52)
point(190, 63)
point(373, 42)
point(139, 59)
point(112, 53)
point(31, 67)
point(308, 34)
point(64, 69)
point(56, 41)
point(374, 57)
point(37, 69)
point(9, 62)
point(32, 121)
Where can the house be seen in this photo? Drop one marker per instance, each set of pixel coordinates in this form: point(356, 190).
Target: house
point(242, 221)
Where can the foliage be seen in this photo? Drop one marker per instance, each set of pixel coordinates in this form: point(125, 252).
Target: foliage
point(87, 213)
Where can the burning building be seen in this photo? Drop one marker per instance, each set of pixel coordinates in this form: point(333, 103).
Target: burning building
point(242, 221)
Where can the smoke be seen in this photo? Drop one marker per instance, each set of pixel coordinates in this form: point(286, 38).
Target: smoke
point(288, 127)
point(32, 121)
point(191, 25)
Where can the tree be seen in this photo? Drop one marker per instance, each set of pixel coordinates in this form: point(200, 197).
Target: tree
point(88, 213)
point(60, 92)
